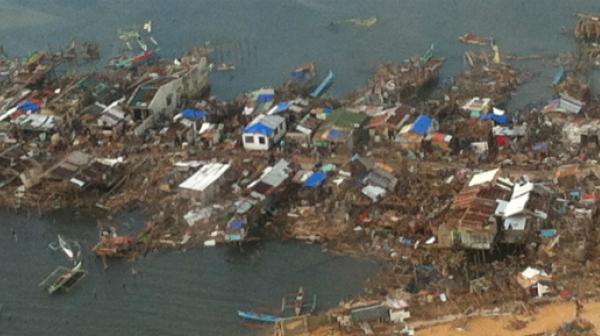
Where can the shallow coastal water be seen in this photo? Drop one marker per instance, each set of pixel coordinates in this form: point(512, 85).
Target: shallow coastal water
point(266, 39)
point(166, 293)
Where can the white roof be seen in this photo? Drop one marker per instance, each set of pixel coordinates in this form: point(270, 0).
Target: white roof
point(500, 208)
point(531, 272)
point(521, 189)
point(373, 192)
point(515, 223)
point(205, 176)
point(484, 177)
point(516, 205)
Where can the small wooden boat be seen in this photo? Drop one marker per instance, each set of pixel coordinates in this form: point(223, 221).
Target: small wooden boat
point(148, 56)
point(62, 279)
point(470, 38)
point(299, 303)
point(560, 75)
point(366, 22)
point(325, 84)
point(258, 317)
point(225, 67)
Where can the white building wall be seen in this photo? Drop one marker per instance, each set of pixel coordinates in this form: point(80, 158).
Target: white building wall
point(255, 144)
point(159, 102)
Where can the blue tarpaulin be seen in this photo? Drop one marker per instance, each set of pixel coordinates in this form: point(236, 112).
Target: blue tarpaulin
point(335, 133)
point(548, 233)
point(237, 224)
point(540, 146)
point(316, 179)
point(500, 119)
point(194, 114)
point(283, 106)
point(259, 128)
point(422, 124)
point(265, 98)
point(28, 106)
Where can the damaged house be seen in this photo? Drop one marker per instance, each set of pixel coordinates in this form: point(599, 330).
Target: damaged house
point(164, 95)
point(471, 224)
point(264, 194)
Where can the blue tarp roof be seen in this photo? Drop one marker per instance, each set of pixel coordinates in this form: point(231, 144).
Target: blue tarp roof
point(422, 125)
point(283, 106)
point(259, 128)
point(265, 98)
point(500, 119)
point(194, 114)
point(316, 179)
point(28, 106)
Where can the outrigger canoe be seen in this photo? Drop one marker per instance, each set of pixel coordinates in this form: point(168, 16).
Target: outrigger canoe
point(63, 278)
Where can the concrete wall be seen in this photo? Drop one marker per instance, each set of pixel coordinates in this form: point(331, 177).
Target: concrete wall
point(191, 84)
point(256, 145)
point(159, 103)
point(196, 80)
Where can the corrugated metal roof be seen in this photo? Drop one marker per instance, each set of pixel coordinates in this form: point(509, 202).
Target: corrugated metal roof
point(264, 124)
point(278, 174)
point(205, 176)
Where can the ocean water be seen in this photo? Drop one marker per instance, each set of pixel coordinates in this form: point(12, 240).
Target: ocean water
point(195, 292)
point(266, 39)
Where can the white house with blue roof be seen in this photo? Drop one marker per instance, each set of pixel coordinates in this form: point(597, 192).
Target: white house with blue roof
point(263, 132)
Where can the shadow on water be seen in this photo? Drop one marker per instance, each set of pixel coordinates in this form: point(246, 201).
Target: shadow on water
point(196, 292)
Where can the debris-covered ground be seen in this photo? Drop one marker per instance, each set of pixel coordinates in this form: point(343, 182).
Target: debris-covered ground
point(472, 209)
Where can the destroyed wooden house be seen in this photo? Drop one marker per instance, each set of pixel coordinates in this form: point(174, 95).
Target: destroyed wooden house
point(17, 166)
point(303, 132)
point(206, 184)
point(262, 197)
point(588, 28)
point(581, 131)
point(524, 213)
point(105, 120)
point(496, 82)
point(195, 125)
point(84, 171)
point(34, 71)
point(344, 132)
point(470, 223)
point(392, 83)
point(385, 126)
